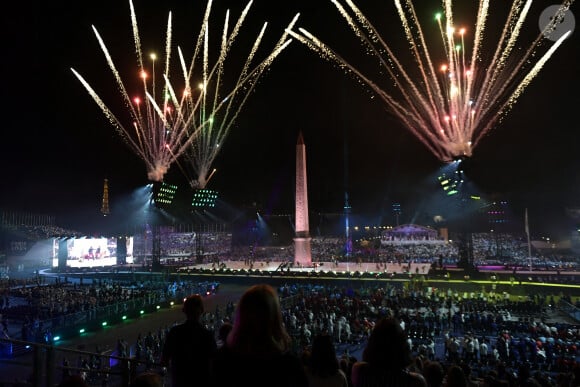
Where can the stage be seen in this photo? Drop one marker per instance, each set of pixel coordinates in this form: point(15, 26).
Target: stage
point(340, 267)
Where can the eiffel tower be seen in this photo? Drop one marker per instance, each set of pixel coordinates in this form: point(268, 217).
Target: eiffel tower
point(105, 204)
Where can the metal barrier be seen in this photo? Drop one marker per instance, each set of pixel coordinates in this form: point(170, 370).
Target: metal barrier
point(36, 361)
point(44, 361)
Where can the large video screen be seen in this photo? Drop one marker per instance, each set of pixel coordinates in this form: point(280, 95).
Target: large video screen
point(91, 252)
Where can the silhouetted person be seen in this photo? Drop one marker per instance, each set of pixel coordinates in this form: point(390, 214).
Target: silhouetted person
point(386, 358)
point(257, 351)
point(455, 377)
point(323, 369)
point(189, 347)
point(434, 373)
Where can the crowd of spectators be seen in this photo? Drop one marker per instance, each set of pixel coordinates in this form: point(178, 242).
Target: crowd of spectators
point(503, 326)
point(487, 245)
point(486, 338)
point(183, 245)
point(40, 232)
point(487, 248)
point(483, 338)
point(41, 308)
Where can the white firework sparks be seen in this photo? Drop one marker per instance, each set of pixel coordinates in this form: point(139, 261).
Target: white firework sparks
point(451, 107)
point(165, 125)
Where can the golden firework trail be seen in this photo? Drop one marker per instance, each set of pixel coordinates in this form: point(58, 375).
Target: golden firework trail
point(448, 107)
point(192, 116)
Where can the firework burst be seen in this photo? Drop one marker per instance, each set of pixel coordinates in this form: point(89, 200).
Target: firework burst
point(190, 117)
point(449, 107)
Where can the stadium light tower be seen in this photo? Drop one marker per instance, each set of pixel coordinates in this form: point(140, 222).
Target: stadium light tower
point(164, 194)
point(204, 198)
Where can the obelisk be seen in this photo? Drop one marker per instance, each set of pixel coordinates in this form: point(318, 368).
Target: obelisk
point(302, 254)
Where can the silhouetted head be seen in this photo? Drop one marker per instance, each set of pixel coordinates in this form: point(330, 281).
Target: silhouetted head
point(455, 377)
point(193, 307)
point(323, 359)
point(258, 325)
point(434, 373)
point(387, 346)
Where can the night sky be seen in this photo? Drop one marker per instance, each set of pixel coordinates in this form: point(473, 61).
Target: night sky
point(59, 147)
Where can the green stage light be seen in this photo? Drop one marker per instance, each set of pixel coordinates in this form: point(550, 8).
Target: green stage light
point(104, 323)
point(82, 330)
point(165, 194)
point(124, 318)
point(203, 198)
point(56, 338)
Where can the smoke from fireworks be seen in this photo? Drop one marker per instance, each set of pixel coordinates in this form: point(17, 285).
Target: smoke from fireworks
point(193, 124)
point(448, 107)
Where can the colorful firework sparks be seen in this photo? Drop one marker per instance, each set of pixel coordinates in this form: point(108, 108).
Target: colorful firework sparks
point(448, 107)
point(166, 126)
